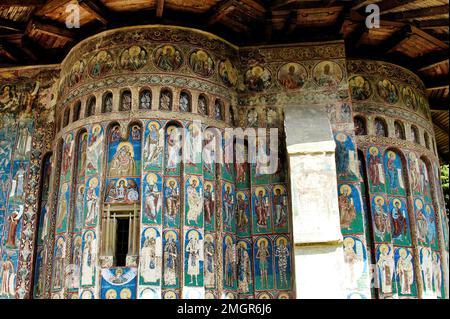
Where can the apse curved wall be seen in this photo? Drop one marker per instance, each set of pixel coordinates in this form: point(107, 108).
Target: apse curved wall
point(400, 169)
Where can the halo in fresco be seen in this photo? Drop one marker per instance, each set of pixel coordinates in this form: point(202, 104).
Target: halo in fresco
point(133, 58)
point(76, 73)
point(292, 76)
point(228, 73)
point(327, 74)
point(257, 78)
point(360, 88)
point(101, 64)
point(387, 91)
point(201, 63)
point(168, 58)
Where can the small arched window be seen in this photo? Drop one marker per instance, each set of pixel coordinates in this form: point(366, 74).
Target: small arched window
point(399, 130)
point(165, 100)
point(427, 140)
point(380, 127)
point(202, 107)
point(415, 134)
point(76, 111)
point(125, 101)
point(90, 109)
point(107, 103)
point(218, 110)
point(66, 117)
point(360, 125)
point(185, 102)
point(145, 100)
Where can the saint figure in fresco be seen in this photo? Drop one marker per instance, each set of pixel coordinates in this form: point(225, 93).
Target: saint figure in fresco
point(229, 264)
point(59, 264)
point(262, 255)
point(67, 158)
point(280, 203)
point(208, 204)
point(193, 267)
point(228, 202)
point(18, 181)
point(88, 261)
point(7, 274)
point(262, 209)
point(437, 274)
point(427, 268)
point(170, 262)
point(148, 261)
point(195, 202)
point(91, 200)
point(152, 200)
point(382, 222)
point(122, 163)
point(399, 219)
point(153, 148)
point(375, 170)
point(342, 157)
point(346, 207)
point(244, 269)
point(282, 252)
point(405, 272)
point(173, 149)
point(172, 200)
point(385, 265)
point(209, 262)
point(393, 173)
point(242, 205)
point(422, 223)
point(13, 220)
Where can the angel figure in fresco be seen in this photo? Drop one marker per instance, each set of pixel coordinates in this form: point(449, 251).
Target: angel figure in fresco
point(262, 209)
point(385, 265)
point(208, 204)
point(375, 169)
point(153, 148)
point(346, 206)
point(13, 220)
point(405, 272)
point(170, 261)
point(7, 275)
point(399, 219)
point(152, 200)
point(148, 261)
point(244, 269)
point(229, 263)
point(382, 222)
point(209, 262)
point(88, 260)
point(282, 252)
point(193, 265)
point(263, 255)
point(280, 204)
point(195, 201)
point(172, 199)
point(122, 163)
point(241, 205)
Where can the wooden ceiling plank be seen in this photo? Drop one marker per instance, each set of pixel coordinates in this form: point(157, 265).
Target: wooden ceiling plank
point(96, 8)
point(51, 28)
point(50, 6)
point(8, 53)
point(11, 25)
point(436, 83)
point(393, 4)
point(159, 8)
point(431, 59)
point(418, 13)
point(398, 37)
point(431, 24)
point(22, 3)
point(291, 22)
point(429, 38)
point(221, 9)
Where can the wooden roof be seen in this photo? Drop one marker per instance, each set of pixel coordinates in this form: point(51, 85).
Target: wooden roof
point(413, 33)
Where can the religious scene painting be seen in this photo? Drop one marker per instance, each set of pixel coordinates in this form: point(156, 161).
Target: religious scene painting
point(194, 201)
point(385, 268)
point(124, 156)
point(381, 219)
point(133, 58)
point(118, 283)
point(280, 209)
point(122, 191)
point(346, 164)
point(94, 150)
point(153, 199)
point(360, 88)
point(153, 146)
point(201, 63)
point(228, 73)
point(327, 74)
point(100, 64)
point(151, 257)
point(92, 201)
point(193, 258)
point(261, 216)
point(292, 76)
point(387, 91)
point(426, 224)
point(63, 208)
point(257, 78)
point(375, 170)
point(89, 258)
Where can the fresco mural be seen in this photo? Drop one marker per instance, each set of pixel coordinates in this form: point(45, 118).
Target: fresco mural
point(118, 283)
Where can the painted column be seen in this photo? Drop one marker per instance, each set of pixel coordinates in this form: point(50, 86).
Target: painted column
point(319, 256)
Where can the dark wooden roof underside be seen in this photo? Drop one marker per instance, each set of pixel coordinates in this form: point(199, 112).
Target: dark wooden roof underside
point(413, 33)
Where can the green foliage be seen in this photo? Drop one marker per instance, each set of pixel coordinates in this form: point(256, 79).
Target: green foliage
point(445, 186)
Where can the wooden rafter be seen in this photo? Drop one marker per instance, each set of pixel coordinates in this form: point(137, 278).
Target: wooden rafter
point(431, 59)
point(418, 13)
point(51, 28)
point(96, 8)
point(398, 37)
point(159, 8)
point(392, 4)
point(291, 22)
point(7, 52)
point(22, 3)
point(437, 83)
point(220, 10)
point(430, 24)
point(11, 26)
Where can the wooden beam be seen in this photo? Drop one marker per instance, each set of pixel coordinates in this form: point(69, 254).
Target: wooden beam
point(51, 28)
point(291, 22)
point(21, 3)
point(431, 59)
point(362, 3)
point(159, 8)
point(431, 24)
point(50, 6)
point(96, 8)
point(269, 25)
point(8, 53)
point(418, 13)
point(394, 40)
point(11, 26)
point(220, 10)
point(392, 4)
point(436, 83)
